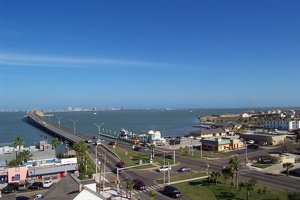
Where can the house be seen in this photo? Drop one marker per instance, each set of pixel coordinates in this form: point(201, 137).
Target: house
point(70, 187)
point(245, 115)
point(267, 138)
point(207, 133)
point(221, 143)
point(282, 158)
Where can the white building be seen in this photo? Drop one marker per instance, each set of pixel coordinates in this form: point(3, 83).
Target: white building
point(282, 125)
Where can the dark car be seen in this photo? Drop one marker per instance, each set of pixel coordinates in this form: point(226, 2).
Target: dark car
point(139, 185)
point(121, 164)
point(169, 156)
point(115, 171)
point(184, 169)
point(11, 187)
point(253, 146)
point(36, 185)
point(172, 191)
point(137, 148)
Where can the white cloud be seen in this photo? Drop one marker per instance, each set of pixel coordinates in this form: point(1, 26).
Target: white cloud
point(52, 61)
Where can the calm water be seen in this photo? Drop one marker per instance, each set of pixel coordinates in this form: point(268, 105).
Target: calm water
point(171, 122)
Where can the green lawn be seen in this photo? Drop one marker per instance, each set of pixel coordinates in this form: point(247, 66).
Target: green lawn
point(184, 176)
point(202, 190)
point(263, 166)
point(131, 157)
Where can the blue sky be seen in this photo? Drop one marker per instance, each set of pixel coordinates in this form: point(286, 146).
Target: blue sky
point(149, 54)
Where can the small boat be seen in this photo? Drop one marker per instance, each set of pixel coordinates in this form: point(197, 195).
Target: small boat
point(95, 113)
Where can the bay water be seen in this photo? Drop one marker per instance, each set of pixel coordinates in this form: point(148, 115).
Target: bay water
point(169, 122)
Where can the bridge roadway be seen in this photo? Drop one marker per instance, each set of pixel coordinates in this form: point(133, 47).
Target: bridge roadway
point(37, 118)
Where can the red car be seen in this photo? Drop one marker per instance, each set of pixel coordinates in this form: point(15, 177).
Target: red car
point(139, 185)
point(121, 164)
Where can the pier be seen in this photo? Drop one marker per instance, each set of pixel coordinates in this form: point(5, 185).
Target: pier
point(37, 118)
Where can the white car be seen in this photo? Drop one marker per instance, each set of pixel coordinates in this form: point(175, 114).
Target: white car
point(164, 168)
point(39, 196)
point(47, 184)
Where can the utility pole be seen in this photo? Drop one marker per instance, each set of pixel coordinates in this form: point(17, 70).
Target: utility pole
point(99, 129)
point(74, 124)
point(59, 121)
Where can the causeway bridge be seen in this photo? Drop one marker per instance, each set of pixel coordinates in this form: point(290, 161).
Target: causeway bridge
point(38, 118)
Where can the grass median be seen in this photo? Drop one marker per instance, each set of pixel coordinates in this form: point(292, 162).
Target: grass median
point(204, 189)
point(132, 158)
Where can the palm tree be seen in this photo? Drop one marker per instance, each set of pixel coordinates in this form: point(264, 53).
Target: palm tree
point(227, 172)
point(234, 164)
point(288, 166)
point(152, 194)
point(130, 186)
point(24, 156)
point(240, 186)
point(214, 176)
point(249, 187)
point(18, 142)
point(82, 154)
point(55, 142)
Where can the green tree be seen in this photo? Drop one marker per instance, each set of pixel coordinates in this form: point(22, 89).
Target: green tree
point(130, 186)
point(82, 153)
point(13, 163)
point(286, 146)
point(214, 176)
point(227, 173)
point(293, 196)
point(55, 142)
point(261, 191)
point(288, 166)
point(152, 194)
point(18, 142)
point(249, 186)
point(234, 165)
point(24, 156)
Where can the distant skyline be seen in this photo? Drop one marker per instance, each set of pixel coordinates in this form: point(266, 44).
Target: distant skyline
point(149, 54)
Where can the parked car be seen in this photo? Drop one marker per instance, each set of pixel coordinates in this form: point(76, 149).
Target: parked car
point(39, 196)
point(121, 164)
point(97, 142)
point(169, 156)
point(253, 146)
point(164, 168)
point(88, 140)
point(184, 169)
point(115, 171)
point(172, 191)
point(137, 148)
point(36, 185)
point(139, 185)
point(24, 185)
point(11, 187)
point(47, 184)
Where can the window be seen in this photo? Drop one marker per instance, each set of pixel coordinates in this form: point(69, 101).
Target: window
point(16, 177)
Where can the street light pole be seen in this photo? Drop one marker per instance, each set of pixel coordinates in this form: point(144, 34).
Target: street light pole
point(104, 166)
point(246, 158)
point(201, 150)
point(164, 165)
point(98, 126)
point(96, 159)
point(74, 124)
point(59, 121)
